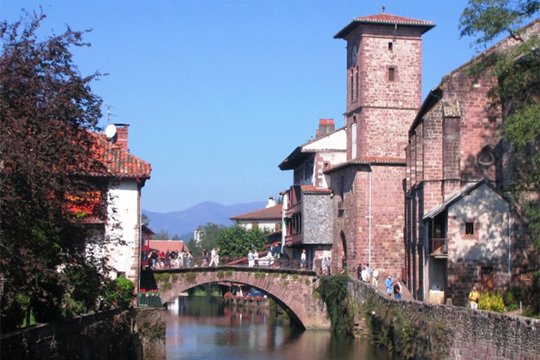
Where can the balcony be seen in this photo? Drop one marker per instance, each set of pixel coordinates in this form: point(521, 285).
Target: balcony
point(439, 248)
point(294, 239)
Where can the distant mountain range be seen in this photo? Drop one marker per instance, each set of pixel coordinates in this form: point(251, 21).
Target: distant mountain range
point(186, 221)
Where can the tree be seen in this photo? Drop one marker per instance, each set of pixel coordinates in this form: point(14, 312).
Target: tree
point(208, 235)
point(517, 93)
point(236, 241)
point(46, 111)
point(161, 235)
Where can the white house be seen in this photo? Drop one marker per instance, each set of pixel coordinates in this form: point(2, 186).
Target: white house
point(120, 234)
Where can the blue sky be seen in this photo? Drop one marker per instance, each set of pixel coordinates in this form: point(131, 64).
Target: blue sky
point(218, 92)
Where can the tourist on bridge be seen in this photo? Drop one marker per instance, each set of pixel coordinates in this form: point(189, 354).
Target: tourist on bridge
point(214, 257)
point(474, 297)
point(205, 257)
point(189, 257)
point(364, 274)
point(251, 259)
point(389, 283)
point(375, 278)
point(397, 289)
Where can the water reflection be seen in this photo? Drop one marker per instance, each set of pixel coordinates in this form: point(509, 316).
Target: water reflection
point(203, 328)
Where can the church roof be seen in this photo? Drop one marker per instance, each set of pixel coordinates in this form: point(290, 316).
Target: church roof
point(384, 19)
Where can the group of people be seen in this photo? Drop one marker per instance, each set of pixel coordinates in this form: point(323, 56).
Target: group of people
point(393, 287)
point(367, 274)
point(170, 259)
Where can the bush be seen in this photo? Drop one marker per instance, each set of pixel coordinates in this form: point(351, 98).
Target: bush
point(491, 302)
point(119, 293)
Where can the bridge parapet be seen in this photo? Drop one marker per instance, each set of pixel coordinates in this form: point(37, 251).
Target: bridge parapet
point(294, 290)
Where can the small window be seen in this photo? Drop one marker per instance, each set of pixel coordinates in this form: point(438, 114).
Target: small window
point(469, 228)
point(391, 73)
point(351, 90)
point(390, 46)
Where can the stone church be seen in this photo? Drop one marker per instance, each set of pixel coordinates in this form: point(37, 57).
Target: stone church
point(422, 193)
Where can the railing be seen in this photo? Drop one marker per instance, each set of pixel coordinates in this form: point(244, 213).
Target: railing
point(293, 239)
point(439, 246)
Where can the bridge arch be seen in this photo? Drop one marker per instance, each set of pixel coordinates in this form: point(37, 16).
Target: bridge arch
point(293, 290)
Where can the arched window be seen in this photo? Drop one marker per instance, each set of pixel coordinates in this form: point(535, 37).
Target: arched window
point(486, 156)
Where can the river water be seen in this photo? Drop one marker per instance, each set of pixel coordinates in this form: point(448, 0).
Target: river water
point(204, 328)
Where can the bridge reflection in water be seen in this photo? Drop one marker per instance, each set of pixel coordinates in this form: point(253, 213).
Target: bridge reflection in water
point(205, 328)
point(294, 290)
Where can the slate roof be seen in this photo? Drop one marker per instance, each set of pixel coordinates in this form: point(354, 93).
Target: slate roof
point(270, 213)
point(368, 160)
point(467, 189)
point(384, 19)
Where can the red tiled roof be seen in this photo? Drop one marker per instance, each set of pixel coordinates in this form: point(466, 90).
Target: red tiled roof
point(312, 189)
point(164, 245)
point(385, 19)
point(271, 213)
point(118, 161)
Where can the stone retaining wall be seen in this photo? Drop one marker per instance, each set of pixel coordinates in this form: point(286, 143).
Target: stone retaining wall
point(468, 334)
point(116, 334)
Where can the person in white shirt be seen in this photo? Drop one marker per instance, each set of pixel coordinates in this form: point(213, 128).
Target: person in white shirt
point(213, 255)
point(303, 259)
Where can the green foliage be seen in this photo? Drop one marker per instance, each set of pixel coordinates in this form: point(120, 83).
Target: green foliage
point(333, 291)
point(220, 274)
point(235, 242)
point(488, 19)
point(517, 95)
point(163, 277)
point(491, 302)
point(208, 239)
point(412, 337)
point(191, 277)
point(46, 108)
point(118, 293)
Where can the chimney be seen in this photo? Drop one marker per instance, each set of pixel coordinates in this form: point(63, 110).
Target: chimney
point(122, 135)
point(326, 127)
point(271, 202)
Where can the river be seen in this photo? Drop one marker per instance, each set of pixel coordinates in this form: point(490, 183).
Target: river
point(204, 328)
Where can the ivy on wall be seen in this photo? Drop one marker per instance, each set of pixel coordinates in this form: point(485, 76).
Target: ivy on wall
point(333, 291)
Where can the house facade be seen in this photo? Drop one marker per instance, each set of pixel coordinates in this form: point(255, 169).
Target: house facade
point(384, 58)
point(308, 202)
point(119, 236)
point(267, 220)
point(460, 228)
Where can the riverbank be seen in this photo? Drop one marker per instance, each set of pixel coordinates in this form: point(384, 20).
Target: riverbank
point(117, 334)
point(418, 330)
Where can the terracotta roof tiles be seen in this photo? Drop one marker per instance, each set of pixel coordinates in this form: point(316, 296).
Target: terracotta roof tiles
point(118, 161)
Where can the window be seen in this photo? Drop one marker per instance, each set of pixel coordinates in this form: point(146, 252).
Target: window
point(486, 157)
point(390, 46)
point(357, 84)
point(391, 73)
point(469, 228)
point(353, 139)
point(351, 90)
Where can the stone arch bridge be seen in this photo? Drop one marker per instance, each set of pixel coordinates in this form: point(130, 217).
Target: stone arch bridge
point(294, 290)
